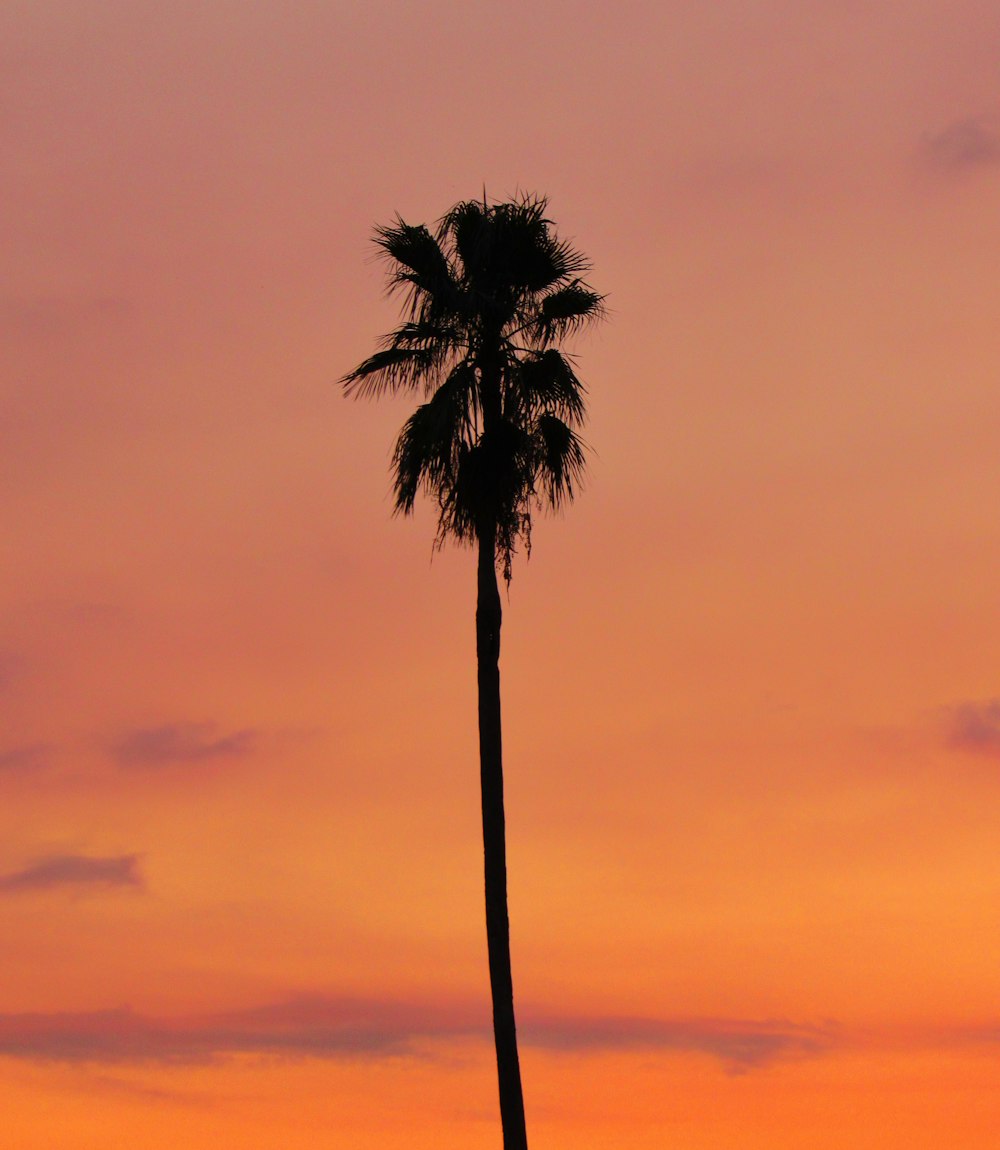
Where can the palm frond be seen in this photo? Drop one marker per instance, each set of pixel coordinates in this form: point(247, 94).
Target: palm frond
point(412, 358)
point(388, 370)
point(561, 460)
point(417, 264)
point(565, 311)
point(545, 382)
point(429, 447)
point(566, 260)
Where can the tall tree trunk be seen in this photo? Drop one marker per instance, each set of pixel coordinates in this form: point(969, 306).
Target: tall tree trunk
point(488, 618)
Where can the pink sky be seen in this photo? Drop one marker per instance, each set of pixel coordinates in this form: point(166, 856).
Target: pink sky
point(750, 682)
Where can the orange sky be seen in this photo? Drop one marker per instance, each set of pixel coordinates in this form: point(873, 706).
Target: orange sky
point(752, 705)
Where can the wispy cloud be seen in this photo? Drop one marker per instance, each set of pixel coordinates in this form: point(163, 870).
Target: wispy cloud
point(307, 1027)
point(332, 1027)
point(975, 727)
point(92, 1036)
point(988, 1035)
point(342, 1027)
point(181, 743)
point(74, 871)
point(740, 1044)
point(26, 758)
point(969, 143)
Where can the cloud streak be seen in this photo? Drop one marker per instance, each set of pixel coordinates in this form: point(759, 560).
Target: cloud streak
point(26, 758)
point(72, 870)
point(340, 1027)
point(964, 145)
point(343, 1027)
point(975, 727)
point(741, 1045)
point(307, 1027)
point(988, 1035)
point(174, 743)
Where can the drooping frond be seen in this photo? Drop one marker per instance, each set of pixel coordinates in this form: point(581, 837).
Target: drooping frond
point(546, 382)
point(412, 358)
point(429, 447)
point(561, 460)
point(390, 369)
point(495, 481)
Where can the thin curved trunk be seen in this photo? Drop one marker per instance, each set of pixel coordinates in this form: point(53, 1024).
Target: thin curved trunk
point(488, 619)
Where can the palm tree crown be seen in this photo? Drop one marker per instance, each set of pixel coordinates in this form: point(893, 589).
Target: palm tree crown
point(488, 297)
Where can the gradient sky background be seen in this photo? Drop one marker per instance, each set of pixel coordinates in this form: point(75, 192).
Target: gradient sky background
point(750, 680)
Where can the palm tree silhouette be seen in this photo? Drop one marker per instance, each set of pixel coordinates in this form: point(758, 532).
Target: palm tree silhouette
point(487, 299)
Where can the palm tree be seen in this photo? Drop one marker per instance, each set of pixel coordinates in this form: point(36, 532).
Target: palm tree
point(488, 297)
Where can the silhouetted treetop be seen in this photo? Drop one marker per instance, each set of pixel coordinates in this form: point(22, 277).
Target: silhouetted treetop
point(488, 297)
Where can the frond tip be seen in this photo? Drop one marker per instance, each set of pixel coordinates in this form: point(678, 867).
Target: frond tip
point(410, 358)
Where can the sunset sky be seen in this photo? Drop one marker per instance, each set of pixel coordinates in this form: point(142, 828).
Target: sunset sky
point(751, 679)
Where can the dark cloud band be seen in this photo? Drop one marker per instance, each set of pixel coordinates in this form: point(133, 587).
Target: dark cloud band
point(324, 1027)
point(74, 871)
point(181, 743)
